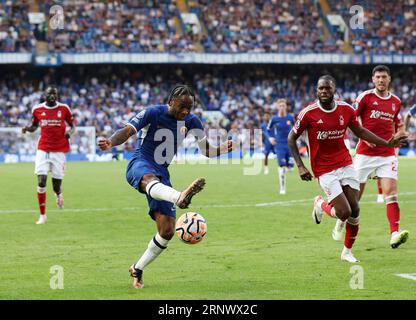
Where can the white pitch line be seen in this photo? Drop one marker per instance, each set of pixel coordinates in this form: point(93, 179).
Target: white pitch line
point(410, 276)
point(247, 205)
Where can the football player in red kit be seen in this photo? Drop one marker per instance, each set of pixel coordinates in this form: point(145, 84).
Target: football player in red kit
point(325, 122)
point(379, 111)
point(53, 143)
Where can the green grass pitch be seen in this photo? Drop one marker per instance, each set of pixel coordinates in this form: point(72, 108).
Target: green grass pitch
point(259, 244)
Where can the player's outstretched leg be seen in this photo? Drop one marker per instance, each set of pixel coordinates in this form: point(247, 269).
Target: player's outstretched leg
point(165, 226)
point(159, 191)
point(186, 196)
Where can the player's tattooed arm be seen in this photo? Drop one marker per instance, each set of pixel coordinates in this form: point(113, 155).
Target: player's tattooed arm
point(367, 135)
point(31, 128)
point(303, 171)
point(119, 137)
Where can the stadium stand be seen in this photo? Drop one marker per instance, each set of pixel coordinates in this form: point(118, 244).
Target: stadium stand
point(107, 95)
point(228, 26)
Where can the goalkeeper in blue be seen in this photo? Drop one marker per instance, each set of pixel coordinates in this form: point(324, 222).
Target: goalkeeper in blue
point(280, 126)
point(161, 129)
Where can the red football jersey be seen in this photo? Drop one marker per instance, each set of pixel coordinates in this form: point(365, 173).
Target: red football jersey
point(52, 126)
point(381, 116)
point(325, 131)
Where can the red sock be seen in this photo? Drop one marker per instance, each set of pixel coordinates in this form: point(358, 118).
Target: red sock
point(351, 232)
point(42, 200)
point(380, 191)
point(328, 209)
point(393, 215)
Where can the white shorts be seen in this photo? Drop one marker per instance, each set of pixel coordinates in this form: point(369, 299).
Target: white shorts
point(332, 182)
point(383, 167)
point(50, 162)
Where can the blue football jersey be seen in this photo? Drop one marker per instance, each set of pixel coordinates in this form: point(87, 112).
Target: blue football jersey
point(413, 110)
point(160, 134)
point(280, 127)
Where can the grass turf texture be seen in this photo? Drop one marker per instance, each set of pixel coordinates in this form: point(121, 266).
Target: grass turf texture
point(272, 250)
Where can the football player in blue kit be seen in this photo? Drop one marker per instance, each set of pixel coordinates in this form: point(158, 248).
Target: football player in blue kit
point(161, 129)
point(267, 146)
point(280, 127)
point(411, 113)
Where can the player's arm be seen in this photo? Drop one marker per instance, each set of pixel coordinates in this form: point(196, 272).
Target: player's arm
point(135, 124)
point(197, 130)
point(268, 132)
point(71, 131)
point(211, 151)
point(70, 120)
point(367, 135)
point(303, 171)
point(32, 127)
point(119, 137)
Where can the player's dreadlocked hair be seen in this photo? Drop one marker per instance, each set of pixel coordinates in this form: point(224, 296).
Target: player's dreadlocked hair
point(181, 90)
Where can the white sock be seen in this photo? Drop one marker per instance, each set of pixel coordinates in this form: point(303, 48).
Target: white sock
point(282, 178)
point(154, 248)
point(158, 191)
point(346, 250)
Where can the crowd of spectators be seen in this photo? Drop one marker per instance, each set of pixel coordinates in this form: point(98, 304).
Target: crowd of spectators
point(15, 30)
point(108, 96)
point(264, 26)
point(228, 26)
point(389, 27)
point(118, 26)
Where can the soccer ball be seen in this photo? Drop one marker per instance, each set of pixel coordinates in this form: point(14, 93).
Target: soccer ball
point(191, 227)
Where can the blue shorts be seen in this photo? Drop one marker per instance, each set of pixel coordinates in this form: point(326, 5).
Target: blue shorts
point(284, 157)
point(268, 147)
point(136, 169)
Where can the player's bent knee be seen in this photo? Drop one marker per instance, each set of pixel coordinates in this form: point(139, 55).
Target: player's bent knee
point(355, 211)
point(42, 181)
point(353, 221)
point(146, 179)
point(392, 198)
